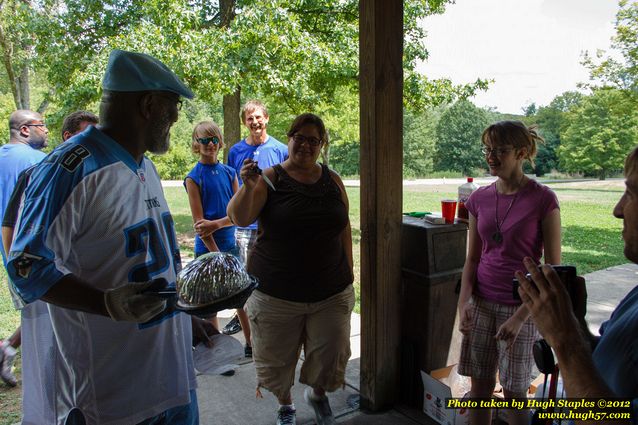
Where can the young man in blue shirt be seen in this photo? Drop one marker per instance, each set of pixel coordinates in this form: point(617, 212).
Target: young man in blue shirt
point(266, 151)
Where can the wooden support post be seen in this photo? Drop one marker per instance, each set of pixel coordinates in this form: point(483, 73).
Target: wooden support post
point(381, 104)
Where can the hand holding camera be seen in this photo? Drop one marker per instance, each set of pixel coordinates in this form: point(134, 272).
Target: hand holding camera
point(567, 275)
point(556, 299)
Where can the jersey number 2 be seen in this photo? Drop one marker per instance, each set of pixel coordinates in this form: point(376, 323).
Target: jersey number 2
point(145, 237)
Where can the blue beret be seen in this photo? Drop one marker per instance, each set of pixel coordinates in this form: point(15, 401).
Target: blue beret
point(130, 71)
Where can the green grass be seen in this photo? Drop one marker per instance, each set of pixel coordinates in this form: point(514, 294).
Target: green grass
point(10, 398)
point(591, 241)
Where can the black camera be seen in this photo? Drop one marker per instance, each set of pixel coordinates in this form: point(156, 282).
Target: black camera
point(567, 276)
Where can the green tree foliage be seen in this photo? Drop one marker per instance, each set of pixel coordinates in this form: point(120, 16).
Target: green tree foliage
point(297, 54)
point(296, 51)
point(550, 120)
point(458, 137)
point(530, 109)
point(621, 74)
point(341, 117)
point(419, 140)
point(16, 46)
point(598, 133)
point(177, 162)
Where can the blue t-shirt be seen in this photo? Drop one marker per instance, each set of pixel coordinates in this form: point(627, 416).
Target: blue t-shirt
point(215, 183)
point(616, 355)
point(269, 153)
point(14, 158)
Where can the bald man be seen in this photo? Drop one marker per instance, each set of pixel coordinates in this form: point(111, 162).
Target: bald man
point(73, 124)
point(28, 134)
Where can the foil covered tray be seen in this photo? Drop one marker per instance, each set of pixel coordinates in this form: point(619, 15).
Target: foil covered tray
point(209, 278)
point(210, 283)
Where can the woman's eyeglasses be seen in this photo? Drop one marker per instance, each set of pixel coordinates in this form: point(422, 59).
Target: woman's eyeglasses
point(312, 141)
point(206, 140)
point(496, 151)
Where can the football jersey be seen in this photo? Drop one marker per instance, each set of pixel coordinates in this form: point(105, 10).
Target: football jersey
point(91, 210)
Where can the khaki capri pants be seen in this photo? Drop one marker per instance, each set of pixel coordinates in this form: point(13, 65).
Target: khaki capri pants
point(280, 328)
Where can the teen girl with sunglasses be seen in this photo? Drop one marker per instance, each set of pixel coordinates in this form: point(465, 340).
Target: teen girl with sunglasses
point(210, 185)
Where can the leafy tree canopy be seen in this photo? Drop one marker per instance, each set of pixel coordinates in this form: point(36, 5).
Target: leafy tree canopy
point(458, 134)
point(619, 73)
point(297, 51)
point(598, 133)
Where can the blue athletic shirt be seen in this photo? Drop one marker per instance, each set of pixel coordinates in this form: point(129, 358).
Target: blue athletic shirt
point(91, 210)
point(14, 158)
point(269, 153)
point(616, 354)
point(215, 183)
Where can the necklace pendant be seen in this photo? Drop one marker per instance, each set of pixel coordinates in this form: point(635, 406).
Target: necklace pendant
point(497, 237)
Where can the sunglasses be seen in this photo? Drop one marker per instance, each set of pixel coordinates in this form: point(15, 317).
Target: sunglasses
point(312, 141)
point(206, 140)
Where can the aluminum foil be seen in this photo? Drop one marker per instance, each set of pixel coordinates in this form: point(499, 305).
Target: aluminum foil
point(210, 278)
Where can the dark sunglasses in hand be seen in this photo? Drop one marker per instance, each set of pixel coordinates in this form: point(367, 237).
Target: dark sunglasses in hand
point(206, 140)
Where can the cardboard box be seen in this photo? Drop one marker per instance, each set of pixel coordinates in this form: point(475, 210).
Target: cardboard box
point(434, 394)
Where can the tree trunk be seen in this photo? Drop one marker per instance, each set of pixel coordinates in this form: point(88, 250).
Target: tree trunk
point(23, 87)
point(7, 50)
point(232, 123)
point(325, 155)
point(43, 107)
point(19, 83)
point(231, 102)
point(227, 9)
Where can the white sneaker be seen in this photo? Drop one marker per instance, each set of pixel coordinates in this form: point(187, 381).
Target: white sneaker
point(8, 357)
point(323, 412)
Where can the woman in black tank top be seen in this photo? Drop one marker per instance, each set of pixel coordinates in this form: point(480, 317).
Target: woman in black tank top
point(303, 260)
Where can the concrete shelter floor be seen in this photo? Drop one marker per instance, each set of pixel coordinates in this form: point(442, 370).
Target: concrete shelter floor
point(231, 400)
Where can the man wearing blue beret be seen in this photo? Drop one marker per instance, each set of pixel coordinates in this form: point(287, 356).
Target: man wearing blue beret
point(94, 233)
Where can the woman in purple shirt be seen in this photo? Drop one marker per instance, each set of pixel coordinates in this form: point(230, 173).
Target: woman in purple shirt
point(513, 218)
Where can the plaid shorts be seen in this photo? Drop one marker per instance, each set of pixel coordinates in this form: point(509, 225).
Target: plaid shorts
point(482, 354)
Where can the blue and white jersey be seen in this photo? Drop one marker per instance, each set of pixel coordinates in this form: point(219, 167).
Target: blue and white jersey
point(92, 211)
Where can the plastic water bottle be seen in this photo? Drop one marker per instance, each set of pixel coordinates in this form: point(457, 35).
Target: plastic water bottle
point(465, 190)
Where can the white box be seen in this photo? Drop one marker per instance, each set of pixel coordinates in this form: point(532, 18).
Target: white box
point(435, 393)
point(434, 218)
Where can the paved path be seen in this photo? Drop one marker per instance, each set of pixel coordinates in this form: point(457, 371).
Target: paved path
point(233, 398)
point(605, 289)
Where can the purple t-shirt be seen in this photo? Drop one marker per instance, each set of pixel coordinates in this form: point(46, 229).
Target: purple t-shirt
point(522, 236)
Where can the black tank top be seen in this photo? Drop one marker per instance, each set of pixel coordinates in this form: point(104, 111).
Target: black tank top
point(299, 255)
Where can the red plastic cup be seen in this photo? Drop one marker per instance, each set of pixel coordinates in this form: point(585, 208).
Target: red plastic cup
point(448, 210)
